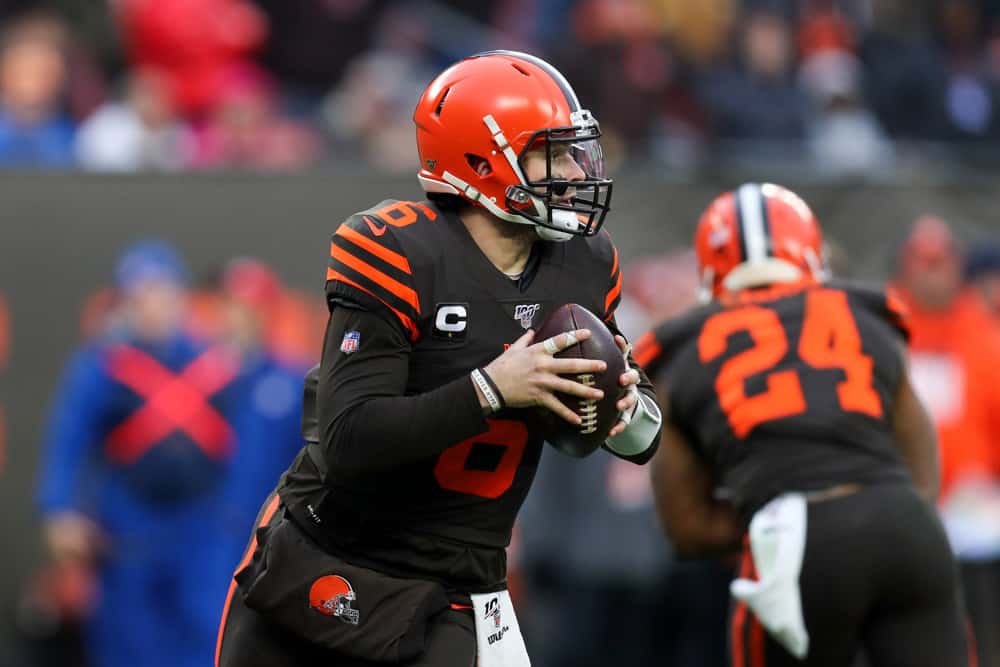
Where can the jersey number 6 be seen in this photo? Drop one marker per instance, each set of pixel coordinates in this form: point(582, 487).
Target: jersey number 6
point(505, 441)
point(829, 340)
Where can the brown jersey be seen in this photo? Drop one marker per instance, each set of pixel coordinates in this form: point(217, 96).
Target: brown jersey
point(413, 267)
point(785, 390)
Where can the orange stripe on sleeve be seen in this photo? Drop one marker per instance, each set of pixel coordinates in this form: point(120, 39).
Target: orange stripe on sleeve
point(614, 264)
point(646, 349)
point(613, 293)
point(380, 251)
point(391, 284)
point(406, 320)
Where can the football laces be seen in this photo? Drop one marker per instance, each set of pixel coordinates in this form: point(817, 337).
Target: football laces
point(588, 407)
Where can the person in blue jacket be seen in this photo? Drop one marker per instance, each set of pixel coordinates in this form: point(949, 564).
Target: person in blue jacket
point(266, 413)
point(137, 450)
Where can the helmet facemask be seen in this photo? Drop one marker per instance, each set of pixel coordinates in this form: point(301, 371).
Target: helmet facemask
point(543, 202)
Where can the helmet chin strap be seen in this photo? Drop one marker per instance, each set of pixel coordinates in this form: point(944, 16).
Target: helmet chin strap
point(563, 219)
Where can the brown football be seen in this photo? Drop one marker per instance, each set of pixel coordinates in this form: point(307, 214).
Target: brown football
point(598, 416)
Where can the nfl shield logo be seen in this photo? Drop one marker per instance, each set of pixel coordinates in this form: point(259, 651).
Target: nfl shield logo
point(525, 313)
point(350, 342)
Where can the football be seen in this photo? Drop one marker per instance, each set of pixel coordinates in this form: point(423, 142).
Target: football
point(598, 416)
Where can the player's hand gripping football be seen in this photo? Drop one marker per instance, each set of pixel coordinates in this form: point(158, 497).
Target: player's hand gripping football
point(629, 379)
point(527, 373)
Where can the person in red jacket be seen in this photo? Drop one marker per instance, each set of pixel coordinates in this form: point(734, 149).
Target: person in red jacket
point(954, 350)
point(194, 42)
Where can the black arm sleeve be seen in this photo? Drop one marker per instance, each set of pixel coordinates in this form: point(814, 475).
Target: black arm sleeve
point(646, 389)
point(366, 423)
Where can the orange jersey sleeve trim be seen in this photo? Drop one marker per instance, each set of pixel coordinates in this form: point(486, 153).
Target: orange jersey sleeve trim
point(646, 349)
point(614, 263)
point(403, 318)
point(388, 256)
point(613, 293)
point(368, 271)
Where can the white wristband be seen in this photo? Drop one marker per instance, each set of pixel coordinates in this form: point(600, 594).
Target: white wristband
point(484, 386)
point(643, 425)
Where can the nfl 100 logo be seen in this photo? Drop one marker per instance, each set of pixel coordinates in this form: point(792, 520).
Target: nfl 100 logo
point(352, 340)
point(525, 313)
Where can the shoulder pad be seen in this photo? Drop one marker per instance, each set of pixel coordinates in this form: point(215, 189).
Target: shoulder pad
point(883, 303)
point(655, 348)
point(368, 263)
point(607, 268)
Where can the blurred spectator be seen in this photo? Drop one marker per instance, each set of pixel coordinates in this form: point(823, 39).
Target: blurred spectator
point(142, 132)
point(194, 42)
point(312, 43)
point(623, 71)
point(34, 131)
point(757, 99)
point(372, 109)
point(982, 270)
point(266, 414)
point(698, 30)
point(136, 454)
point(844, 135)
point(245, 129)
point(970, 95)
point(954, 349)
point(904, 75)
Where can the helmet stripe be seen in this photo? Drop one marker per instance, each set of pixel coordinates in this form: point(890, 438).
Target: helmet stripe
point(556, 75)
point(754, 225)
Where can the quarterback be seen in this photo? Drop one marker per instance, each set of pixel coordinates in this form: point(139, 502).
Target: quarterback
point(385, 540)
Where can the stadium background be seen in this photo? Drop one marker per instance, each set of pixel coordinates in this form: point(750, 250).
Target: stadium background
point(876, 111)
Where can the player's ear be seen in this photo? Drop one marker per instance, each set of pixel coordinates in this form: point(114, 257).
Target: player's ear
point(479, 164)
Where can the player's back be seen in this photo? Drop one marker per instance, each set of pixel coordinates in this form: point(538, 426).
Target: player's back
point(785, 389)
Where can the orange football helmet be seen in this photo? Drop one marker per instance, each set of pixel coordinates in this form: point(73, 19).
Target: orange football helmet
point(757, 235)
point(494, 107)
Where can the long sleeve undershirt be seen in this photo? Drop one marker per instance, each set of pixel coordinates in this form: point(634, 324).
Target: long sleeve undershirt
point(367, 423)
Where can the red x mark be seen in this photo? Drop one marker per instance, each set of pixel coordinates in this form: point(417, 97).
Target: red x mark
point(174, 401)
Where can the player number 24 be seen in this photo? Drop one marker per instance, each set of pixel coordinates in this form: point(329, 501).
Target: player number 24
point(829, 340)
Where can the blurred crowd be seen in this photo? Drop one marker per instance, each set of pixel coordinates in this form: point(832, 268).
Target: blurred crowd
point(846, 86)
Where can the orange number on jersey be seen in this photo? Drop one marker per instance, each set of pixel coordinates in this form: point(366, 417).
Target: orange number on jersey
point(451, 471)
point(783, 397)
point(403, 213)
point(830, 339)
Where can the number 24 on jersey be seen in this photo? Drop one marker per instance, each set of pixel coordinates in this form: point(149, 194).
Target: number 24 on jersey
point(829, 339)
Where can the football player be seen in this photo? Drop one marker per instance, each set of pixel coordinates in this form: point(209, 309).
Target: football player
point(385, 540)
point(790, 417)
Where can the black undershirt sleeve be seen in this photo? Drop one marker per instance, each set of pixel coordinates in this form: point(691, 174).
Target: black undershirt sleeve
point(366, 422)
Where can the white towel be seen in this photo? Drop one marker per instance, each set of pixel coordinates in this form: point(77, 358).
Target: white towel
point(777, 543)
point(498, 636)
